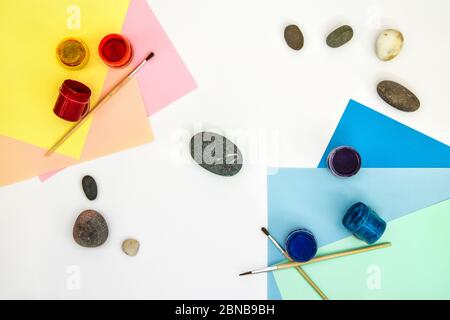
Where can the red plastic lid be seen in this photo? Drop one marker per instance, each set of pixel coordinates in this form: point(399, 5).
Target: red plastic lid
point(75, 90)
point(115, 50)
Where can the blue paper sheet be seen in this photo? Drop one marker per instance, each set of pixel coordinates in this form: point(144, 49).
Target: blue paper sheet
point(382, 143)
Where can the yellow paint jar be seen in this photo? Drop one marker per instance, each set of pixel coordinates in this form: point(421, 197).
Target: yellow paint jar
point(72, 53)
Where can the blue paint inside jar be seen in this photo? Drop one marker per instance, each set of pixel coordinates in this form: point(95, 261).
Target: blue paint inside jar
point(364, 223)
point(301, 245)
point(344, 161)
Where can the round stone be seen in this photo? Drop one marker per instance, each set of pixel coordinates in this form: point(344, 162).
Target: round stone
point(340, 36)
point(90, 229)
point(294, 37)
point(131, 247)
point(398, 96)
point(389, 44)
point(89, 187)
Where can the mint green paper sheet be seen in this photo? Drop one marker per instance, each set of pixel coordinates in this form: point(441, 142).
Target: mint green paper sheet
point(417, 266)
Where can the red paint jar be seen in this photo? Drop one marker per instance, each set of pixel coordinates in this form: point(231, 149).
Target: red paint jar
point(73, 101)
point(115, 50)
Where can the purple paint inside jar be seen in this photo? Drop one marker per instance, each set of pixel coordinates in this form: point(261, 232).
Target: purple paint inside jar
point(344, 162)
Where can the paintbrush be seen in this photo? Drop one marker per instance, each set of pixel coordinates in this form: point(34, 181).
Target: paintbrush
point(100, 103)
point(321, 258)
point(299, 269)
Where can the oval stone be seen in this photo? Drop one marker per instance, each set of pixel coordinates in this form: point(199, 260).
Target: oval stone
point(294, 37)
point(216, 154)
point(340, 36)
point(90, 229)
point(389, 44)
point(130, 247)
point(398, 96)
point(89, 187)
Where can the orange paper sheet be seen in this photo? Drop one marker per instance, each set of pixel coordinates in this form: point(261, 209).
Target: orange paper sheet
point(121, 124)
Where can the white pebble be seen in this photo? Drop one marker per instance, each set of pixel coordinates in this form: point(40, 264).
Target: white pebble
point(389, 44)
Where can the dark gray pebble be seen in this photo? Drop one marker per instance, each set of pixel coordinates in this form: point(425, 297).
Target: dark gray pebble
point(216, 154)
point(90, 229)
point(340, 36)
point(294, 37)
point(89, 187)
point(398, 96)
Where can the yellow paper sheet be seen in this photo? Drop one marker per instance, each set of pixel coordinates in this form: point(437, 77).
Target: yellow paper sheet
point(30, 75)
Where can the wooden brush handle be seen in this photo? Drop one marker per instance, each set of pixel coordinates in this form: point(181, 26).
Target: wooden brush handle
point(89, 114)
point(311, 283)
point(100, 103)
point(334, 255)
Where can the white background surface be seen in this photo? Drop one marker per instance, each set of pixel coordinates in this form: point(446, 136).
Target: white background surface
point(198, 230)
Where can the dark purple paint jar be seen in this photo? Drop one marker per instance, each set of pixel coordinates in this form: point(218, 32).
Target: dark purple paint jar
point(344, 161)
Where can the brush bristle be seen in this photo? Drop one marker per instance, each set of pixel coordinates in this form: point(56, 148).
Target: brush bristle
point(245, 273)
point(150, 56)
point(266, 232)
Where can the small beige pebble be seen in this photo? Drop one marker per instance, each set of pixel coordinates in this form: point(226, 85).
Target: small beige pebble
point(131, 247)
point(389, 44)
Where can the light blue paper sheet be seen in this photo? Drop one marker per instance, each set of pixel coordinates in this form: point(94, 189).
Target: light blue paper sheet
point(383, 143)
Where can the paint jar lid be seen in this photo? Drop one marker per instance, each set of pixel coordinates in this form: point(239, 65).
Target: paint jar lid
point(75, 90)
point(115, 50)
point(301, 245)
point(356, 216)
point(364, 223)
point(72, 53)
point(344, 161)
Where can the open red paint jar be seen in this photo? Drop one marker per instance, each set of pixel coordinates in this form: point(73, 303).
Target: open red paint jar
point(73, 101)
point(115, 50)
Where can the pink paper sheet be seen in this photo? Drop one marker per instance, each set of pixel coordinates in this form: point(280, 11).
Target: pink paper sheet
point(165, 79)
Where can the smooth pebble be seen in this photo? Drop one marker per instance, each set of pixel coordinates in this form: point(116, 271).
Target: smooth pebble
point(216, 154)
point(389, 44)
point(398, 96)
point(340, 36)
point(89, 187)
point(294, 37)
point(90, 229)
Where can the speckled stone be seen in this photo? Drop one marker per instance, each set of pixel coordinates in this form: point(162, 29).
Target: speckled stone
point(294, 37)
point(340, 36)
point(398, 96)
point(90, 229)
point(130, 247)
point(389, 44)
point(216, 154)
point(89, 187)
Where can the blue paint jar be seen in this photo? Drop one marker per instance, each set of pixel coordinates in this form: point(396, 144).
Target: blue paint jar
point(364, 223)
point(301, 245)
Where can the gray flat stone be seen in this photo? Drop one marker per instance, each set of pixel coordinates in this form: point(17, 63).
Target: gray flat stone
point(89, 187)
point(216, 154)
point(340, 36)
